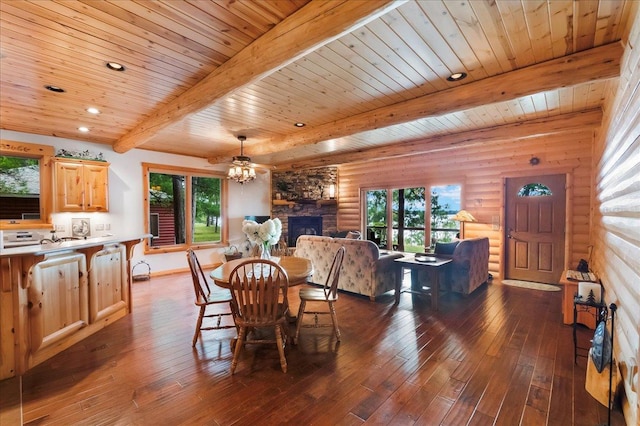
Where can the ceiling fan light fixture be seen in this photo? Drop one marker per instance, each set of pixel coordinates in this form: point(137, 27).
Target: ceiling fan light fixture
point(241, 169)
point(457, 76)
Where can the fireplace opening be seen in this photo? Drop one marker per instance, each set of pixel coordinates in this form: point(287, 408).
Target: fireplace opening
point(302, 225)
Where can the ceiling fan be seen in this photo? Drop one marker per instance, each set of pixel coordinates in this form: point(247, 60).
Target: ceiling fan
point(242, 170)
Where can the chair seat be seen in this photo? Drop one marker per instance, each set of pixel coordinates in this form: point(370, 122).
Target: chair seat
point(219, 296)
point(316, 295)
point(282, 311)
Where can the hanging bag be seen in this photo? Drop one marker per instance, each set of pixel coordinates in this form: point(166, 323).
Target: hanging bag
point(601, 347)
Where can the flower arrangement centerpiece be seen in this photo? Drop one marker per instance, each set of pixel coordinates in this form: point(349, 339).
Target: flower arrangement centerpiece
point(264, 234)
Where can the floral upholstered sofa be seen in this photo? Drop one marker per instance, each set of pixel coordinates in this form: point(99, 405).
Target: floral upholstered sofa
point(364, 269)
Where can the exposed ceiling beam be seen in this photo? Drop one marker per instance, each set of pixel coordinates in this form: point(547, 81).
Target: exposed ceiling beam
point(311, 27)
point(570, 122)
point(599, 63)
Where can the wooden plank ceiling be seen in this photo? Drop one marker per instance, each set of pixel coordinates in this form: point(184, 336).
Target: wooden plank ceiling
point(368, 78)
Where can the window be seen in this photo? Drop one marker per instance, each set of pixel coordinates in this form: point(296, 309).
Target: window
point(534, 190)
point(407, 218)
point(19, 187)
point(184, 207)
point(22, 179)
point(407, 207)
point(445, 203)
point(376, 202)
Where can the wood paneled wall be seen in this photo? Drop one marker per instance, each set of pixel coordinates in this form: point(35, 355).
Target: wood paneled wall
point(481, 169)
point(617, 217)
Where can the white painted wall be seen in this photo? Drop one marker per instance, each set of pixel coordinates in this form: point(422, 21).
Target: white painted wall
point(126, 209)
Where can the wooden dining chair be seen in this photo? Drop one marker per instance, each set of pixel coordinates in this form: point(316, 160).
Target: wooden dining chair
point(327, 294)
point(259, 291)
point(205, 297)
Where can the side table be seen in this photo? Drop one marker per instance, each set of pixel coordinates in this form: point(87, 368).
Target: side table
point(581, 305)
point(433, 265)
point(569, 291)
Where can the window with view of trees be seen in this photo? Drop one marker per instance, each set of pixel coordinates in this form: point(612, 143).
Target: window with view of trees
point(19, 187)
point(185, 208)
point(407, 218)
point(407, 207)
point(445, 203)
point(377, 216)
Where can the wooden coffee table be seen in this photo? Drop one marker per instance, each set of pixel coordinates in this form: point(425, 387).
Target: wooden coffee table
point(433, 265)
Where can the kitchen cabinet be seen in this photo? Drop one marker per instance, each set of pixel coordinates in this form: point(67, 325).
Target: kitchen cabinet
point(107, 283)
point(80, 185)
point(53, 296)
point(57, 299)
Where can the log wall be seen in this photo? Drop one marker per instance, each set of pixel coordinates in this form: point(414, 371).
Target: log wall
point(617, 217)
point(482, 169)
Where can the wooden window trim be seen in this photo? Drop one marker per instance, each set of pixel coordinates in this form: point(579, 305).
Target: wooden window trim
point(44, 153)
point(148, 168)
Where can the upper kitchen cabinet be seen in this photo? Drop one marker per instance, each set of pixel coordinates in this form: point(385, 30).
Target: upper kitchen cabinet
point(80, 185)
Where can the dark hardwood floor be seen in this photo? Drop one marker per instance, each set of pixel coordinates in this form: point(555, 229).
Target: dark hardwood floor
point(500, 356)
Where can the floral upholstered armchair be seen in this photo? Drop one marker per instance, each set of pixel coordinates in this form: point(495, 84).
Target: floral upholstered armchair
point(364, 270)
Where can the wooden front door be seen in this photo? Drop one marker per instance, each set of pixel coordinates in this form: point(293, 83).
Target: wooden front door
point(535, 226)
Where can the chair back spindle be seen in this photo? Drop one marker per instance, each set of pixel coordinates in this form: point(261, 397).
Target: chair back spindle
point(200, 283)
point(331, 284)
point(259, 291)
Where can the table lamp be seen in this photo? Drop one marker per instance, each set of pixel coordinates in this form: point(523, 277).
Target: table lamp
point(463, 216)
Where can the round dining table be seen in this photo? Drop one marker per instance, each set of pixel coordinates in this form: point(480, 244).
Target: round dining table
point(298, 269)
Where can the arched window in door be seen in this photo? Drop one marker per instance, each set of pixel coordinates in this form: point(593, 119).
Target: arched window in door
point(534, 190)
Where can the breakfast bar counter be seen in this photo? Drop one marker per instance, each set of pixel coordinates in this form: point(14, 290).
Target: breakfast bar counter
point(54, 295)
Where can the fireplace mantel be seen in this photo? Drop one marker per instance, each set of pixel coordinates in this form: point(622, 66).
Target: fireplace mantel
point(318, 203)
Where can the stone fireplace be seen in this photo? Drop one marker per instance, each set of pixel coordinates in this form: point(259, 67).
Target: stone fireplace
point(302, 225)
point(303, 195)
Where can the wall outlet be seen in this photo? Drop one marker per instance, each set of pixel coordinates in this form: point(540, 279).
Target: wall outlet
point(59, 228)
point(107, 226)
point(99, 227)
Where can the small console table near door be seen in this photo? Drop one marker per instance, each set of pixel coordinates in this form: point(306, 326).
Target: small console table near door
point(569, 291)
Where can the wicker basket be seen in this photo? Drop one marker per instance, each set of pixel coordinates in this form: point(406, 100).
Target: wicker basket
point(144, 272)
point(232, 254)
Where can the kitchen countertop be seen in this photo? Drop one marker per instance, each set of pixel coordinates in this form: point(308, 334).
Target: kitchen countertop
point(49, 248)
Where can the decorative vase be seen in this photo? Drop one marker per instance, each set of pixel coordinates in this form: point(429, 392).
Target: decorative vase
point(265, 251)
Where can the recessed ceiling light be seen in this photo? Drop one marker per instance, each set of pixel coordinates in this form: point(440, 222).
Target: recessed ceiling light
point(92, 110)
point(115, 66)
point(457, 76)
point(299, 124)
point(83, 129)
point(54, 88)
